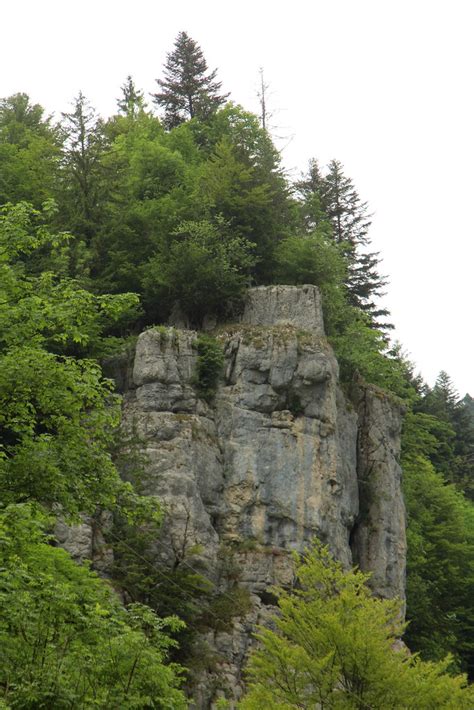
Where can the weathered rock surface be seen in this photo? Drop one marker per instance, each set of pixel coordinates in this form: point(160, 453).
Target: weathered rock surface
point(279, 457)
point(299, 307)
point(85, 541)
point(378, 539)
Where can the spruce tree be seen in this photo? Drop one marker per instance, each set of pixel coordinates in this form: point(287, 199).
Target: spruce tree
point(84, 147)
point(187, 90)
point(454, 456)
point(132, 100)
point(333, 198)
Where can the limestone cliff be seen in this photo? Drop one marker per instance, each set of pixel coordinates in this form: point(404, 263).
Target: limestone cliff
point(278, 457)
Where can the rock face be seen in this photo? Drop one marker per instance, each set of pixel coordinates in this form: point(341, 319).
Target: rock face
point(278, 457)
point(378, 538)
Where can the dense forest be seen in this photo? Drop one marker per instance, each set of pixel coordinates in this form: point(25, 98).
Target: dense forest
point(105, 226)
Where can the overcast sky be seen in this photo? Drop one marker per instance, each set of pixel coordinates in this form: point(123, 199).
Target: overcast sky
point(385, 87)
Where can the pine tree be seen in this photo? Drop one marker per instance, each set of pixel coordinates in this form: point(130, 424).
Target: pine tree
point(132, 100)
point(84, 146)
point(187, 91)
point(333, 198)
point(454, 457)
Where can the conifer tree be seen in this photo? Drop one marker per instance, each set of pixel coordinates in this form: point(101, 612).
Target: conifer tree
point(309, 189)
point(187, 90)
point(132, 100)
point(454, 456)
point(84, 144)
point(332, 197)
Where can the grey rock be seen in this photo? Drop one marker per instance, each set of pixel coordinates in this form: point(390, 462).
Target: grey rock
point(298, 306)
point(379, 541)
point(85, 541)
point(280, 457)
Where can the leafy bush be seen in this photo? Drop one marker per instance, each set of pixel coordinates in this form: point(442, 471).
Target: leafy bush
point(209, 365)
point(65, 639)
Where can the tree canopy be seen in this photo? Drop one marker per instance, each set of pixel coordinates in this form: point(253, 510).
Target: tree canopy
point(333, 645)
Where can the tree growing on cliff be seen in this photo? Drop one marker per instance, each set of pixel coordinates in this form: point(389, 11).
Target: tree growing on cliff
point(333, 647)
point(57, 412)
point(187, 90)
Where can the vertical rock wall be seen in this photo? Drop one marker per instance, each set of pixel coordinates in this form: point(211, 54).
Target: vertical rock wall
point(378, 538)
point(279, 457)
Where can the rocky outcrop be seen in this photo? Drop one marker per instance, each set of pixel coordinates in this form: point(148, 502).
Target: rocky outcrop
point(279, 456)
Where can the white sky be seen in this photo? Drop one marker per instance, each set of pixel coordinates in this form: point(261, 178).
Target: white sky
point(383, 86)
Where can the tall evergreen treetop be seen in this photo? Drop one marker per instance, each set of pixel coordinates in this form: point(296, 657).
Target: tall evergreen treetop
point(344, 207)
point(82, 154)
point(187, 90)
point(132, 100)
point(332, 198)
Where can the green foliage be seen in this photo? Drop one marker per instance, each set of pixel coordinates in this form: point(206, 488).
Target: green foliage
point(454, 457)
point(46, 310)
point(205, 269)
point(243, 180)
point(440, 565)
point(148, 192)
point(65, 641)
point(29, 152)
point(315, 258)
point(193, 213)
point(223, 608)
point(132, 101)
point(83, 174)
point(187, 91)
point(57, 412)
point(362, 349)
point(331, 202)
point(332, 647)
point(174, 590)
point(57, 417)
point(209, 366)
point(310, 259)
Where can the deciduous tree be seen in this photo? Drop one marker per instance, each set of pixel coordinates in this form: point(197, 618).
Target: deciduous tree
point(333, 648)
